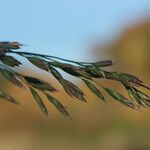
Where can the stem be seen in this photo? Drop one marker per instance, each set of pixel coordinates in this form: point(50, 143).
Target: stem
point(48, 57)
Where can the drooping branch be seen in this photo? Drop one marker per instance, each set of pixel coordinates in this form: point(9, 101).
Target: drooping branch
point(87, 72)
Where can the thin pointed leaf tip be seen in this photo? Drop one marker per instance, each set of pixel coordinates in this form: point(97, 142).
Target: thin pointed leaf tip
point(90, 73)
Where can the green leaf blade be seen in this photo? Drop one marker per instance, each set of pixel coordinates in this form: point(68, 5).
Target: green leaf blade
point(8, 97)
point(93, 88)
point(119, 97)
point(10, 61)
point(68, 86)
point(39, 84)
point(58, 105)
point(39, 101)
point(103, 63)
point(11, 76)
point(38, 63)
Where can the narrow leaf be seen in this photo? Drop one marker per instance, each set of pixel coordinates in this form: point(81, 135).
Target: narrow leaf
point(94, 72)
point(57, 104)
point(55, 73)
point(39, 101)
point(10, 61)
point(119, 97)
point(103, 63)
point(11, 76)
point(8, 97)
point(144, 98)
point(71, 69)
point(38, 63)
point(93, 88)
point(146, 87)
point(39, 84)
point(69, 87)
point(124, 77)
point(10, 45)
point(73, 90)
point(134, 96)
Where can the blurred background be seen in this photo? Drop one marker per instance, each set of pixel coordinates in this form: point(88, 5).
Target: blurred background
point(83, 31)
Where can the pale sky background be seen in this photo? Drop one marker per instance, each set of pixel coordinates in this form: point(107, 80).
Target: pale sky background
point(65, 27)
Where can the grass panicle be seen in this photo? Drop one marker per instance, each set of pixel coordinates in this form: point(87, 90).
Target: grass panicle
point(87, 72)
